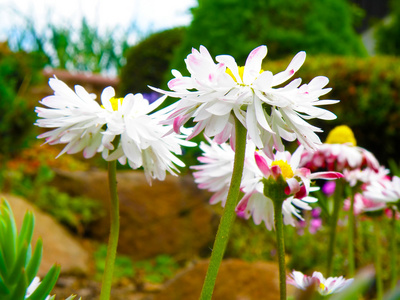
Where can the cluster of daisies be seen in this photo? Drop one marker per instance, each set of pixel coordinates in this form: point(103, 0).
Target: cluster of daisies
point(215, 95)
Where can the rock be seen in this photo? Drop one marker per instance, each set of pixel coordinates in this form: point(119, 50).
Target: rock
point(59, 246)
point(237, 280)
point(170, 217)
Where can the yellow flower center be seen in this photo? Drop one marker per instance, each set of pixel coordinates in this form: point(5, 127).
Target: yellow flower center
point(241, 71)
point(340, 135)
point(115, 102)
point(286, 169)
point(322, 286)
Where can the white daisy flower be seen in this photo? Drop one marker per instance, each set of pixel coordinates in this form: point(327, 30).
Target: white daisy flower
point(74, 117)
point(215, 92)
point(323, 286)
point(82, 123)
point(384, 190)
point(215, 172)
point(143, 141)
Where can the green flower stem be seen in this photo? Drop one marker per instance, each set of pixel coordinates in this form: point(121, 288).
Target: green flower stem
point(114, 232)
point(337, 204)
point(274, 189)
point(351, 233)
point(378, 262)
point(393, 251)
point(280, 240)
point(228, 215)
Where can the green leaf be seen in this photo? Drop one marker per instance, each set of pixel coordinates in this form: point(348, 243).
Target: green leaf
point(34, 263)
point(47, 284)
point(26, 231)
point(10, 235)
point(20, 263)
point(3, 267)
point(3, 289)
point(20, 289)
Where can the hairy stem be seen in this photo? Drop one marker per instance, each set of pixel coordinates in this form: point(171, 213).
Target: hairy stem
point(228, 215)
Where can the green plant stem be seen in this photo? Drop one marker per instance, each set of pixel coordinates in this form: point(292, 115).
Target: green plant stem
point(378, 261)
point(280, 240)
point(351, 234)
point(114, 232)
point(228, 215)
point(337, 204)
point(393, 251)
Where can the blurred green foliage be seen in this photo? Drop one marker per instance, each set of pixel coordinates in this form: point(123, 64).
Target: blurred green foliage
point(30, 175)
point(307, 252)
point(18, 71)
point(83, 48)
point(147, 63)
point(155, 270)
point(236, 27)
point(387, 33)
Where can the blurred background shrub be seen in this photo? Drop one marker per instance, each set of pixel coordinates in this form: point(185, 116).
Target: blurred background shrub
point(147, 62)
point(236, 27)
point(368, 89)
point(18, 71)
point(387, 33)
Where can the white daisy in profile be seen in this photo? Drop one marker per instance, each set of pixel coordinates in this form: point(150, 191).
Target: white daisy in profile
point(215, 93)
point(74, 115)
point(323, 286)
point(142, 139)
point(123, 129)
point(383, 190)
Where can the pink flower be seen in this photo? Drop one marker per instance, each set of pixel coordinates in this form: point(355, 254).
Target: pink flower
point(297, 188)
point(215, 172)
point(337, 157)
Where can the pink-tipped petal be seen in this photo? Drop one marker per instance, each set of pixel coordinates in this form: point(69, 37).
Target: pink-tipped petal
point(262, 164)
point(253, 64)
point(326, 175)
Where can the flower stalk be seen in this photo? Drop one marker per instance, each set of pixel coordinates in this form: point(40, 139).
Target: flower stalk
point(337, 204)
point(393, 251)
point(114, 232)
point(351, 234)
point(378, 261)
point(280, 241)
point(228, 215)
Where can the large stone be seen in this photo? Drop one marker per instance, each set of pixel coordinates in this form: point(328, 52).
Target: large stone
point(237, 280)
point(170, 217)
point(59, 246)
